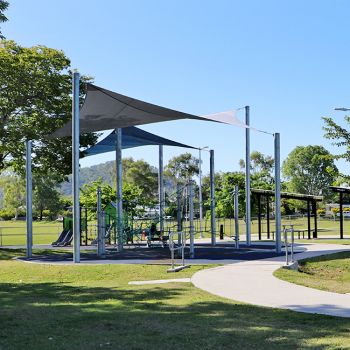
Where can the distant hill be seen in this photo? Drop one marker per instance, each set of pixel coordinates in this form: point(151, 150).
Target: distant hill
point(105, 171)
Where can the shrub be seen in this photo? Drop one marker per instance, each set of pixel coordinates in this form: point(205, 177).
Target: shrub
point(7, 214)
point(321, 211)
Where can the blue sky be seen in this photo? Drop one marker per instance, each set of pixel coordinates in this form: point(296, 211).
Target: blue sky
point(288, 60)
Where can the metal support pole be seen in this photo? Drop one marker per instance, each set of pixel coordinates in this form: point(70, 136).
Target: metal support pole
point(179, 212)
point(212, 199)
point(314, 212)
point(75, 168)
point(161, 190)
point(308, 220)
point(259, 216)
point(247, 177)
point(268, 216)
point(191, 195)
point(29, 196)
point(292, 243)
point(285, 231)
point(103, 234)
point(99, 223)
point(119, 169)
point(200, 196)
point(236, 218)
point(278, 193)
point(86, 225)
point(341, 215)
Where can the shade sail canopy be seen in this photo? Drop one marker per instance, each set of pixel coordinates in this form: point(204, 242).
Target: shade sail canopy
point(131, 137)
point(104, 109)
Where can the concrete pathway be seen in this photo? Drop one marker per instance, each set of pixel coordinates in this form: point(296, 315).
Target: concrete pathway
point(253, 282)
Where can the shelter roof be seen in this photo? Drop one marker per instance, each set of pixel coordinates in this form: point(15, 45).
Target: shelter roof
point(131, 137)
point(288, 195)
point(340, 189)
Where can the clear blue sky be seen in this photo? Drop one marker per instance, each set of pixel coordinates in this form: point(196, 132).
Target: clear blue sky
point(288, 60)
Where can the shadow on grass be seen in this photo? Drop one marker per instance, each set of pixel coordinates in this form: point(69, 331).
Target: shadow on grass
point(61, 316)
point(7, 253)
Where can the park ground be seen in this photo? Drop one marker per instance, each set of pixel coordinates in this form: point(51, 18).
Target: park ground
point(13, 232)
point(93, 307)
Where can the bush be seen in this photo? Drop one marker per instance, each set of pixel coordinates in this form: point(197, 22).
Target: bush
point(7, 214)
point(321, 212)
point(337, 210)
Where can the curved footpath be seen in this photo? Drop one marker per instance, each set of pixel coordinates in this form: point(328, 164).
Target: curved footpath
point(253, 282)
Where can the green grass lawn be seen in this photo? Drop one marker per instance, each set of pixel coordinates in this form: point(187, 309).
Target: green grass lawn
point(93, 307)
point(328, 272)
point(13, 232)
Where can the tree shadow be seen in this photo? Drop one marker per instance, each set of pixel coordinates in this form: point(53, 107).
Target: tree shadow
point(63, 316)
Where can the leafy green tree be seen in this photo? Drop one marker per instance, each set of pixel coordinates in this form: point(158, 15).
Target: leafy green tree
point(183, 167)
point(339, 135)
point(46, 197)
point(261, 165)
point(143, 175)
point(310, 170)
point(225, 190)
point(3, 7)
point(34, 101)
point(132, 197)
point(88, 196)
point(14, 196)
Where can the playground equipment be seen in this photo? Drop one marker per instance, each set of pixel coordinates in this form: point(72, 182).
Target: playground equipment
point(152, 235)
point(178, 247)
point(66, 236)
point(290, 230)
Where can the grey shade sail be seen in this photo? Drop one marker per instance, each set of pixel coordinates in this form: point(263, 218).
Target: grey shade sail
point(104, 109)
point(131, 137)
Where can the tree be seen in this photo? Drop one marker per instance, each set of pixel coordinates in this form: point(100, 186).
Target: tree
point(183, 167)
point(143, 175)
point(88, 196)
point(3, 7)
point(35, 88)
point(340, 135)
point(132, 197)
point(225, 191)
point(310, 170)
point(46, 197)
point(259, 163)
point(14, 196)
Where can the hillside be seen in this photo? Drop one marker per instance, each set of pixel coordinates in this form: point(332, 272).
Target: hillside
point(105, 171)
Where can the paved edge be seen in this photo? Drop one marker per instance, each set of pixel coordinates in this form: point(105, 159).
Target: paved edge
point(253, 282)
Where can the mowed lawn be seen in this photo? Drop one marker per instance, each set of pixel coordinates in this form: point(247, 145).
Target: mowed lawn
point(328, 272)
point(93, 307)
point(14, 232)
